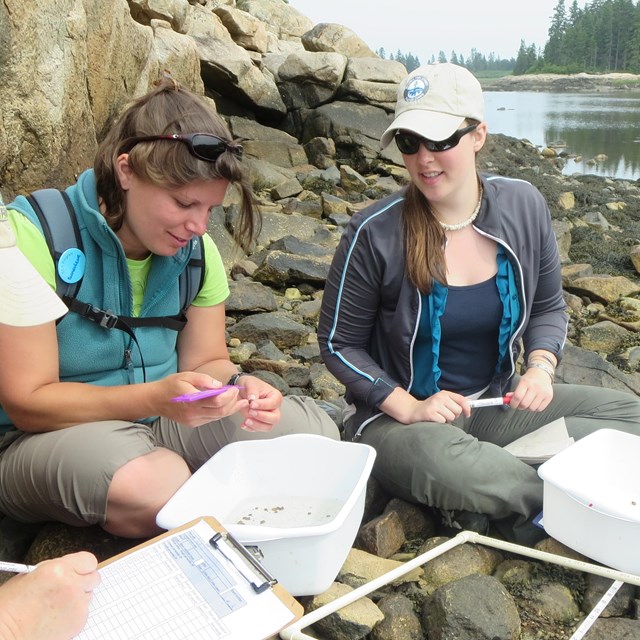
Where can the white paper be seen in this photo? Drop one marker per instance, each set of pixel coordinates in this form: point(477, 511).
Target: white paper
point(540, 445)
point(181, 588)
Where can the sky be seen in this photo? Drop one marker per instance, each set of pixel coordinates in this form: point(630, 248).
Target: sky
point(424, 27)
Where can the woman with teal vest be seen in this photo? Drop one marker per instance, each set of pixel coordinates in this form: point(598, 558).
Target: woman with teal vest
point(89, 433)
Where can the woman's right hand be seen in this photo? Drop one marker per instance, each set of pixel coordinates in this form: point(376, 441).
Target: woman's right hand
point(51, 602)
point(199, 412)
point(442, 407)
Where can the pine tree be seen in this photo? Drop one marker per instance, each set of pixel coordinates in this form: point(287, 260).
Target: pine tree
point(526, 59)
point(634, 44)
point(412, 62)
point(554, 49)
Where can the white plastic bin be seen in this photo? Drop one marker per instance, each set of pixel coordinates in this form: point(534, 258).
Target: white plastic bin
point(592, 498)
point(298, 498)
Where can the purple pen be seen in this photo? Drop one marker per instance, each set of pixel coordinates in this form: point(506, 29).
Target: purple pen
point(205, 393)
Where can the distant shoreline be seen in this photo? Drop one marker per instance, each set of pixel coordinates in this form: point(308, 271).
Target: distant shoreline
point(557, 82)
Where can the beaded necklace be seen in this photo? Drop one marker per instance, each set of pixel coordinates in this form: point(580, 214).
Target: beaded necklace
point(464, 223)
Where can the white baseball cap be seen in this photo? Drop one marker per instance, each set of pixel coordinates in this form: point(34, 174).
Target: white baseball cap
point(25, 297)
point(434, 100)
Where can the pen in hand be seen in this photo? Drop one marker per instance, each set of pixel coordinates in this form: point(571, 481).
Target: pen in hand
point(15, 567)
point(205, 393)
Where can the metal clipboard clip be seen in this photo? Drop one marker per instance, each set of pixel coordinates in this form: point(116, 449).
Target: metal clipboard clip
point(253, 572)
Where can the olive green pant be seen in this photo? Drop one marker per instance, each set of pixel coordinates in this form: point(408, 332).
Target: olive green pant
point(65, 475)
point(463, 465)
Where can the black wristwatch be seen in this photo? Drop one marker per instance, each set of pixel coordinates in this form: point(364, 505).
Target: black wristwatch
point(233, 380)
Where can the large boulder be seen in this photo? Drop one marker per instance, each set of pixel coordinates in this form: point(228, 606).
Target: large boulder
point(286, 22)
point(372, 81)
point(355, 128)
point(173, 11)
point(227, 69)
point(338, 38)
point(38, 104)
point(307, 79)
point(121, 63)
point(268, 144)
point(247, 32)
point(178, 54)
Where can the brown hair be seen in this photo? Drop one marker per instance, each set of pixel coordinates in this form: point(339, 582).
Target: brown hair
point(168, 109)
point(423, 240)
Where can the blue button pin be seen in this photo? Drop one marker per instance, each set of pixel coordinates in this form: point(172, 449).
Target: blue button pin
point(72, 265)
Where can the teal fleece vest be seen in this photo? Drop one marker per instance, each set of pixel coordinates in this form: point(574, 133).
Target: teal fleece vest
point(109, 357)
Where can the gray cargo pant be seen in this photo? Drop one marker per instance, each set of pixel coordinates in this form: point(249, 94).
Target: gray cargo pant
point(463, 466)
point(65, 475)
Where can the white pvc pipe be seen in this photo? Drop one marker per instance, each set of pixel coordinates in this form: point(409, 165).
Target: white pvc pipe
point(293, 631)
point(570, 563)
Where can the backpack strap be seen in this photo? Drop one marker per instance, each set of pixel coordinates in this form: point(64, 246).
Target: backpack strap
point(60, 227)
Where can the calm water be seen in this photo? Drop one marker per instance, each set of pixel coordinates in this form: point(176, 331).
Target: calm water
point(589, 124)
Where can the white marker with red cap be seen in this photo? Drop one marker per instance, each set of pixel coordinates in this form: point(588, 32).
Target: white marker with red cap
point(489, 402)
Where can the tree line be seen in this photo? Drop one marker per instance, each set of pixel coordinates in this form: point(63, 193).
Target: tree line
point(603, 36)
point(476, 61)
point(409, 61)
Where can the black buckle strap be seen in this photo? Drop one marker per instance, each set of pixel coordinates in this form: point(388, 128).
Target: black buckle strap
point(105, 319)
point(110, 320)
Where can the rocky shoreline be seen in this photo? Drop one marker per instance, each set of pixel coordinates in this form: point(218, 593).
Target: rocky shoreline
point(311, 102)
point(578, 82)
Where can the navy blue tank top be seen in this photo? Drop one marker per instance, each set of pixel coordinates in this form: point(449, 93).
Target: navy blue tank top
point(469, 346)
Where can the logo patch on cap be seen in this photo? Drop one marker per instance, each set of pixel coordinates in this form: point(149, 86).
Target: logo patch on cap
point(416, 88)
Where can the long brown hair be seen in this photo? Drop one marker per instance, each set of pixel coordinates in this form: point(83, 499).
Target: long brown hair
point(168, 109)
point(424, 241)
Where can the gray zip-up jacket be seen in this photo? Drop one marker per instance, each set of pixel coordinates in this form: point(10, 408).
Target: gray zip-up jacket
point(371, 312)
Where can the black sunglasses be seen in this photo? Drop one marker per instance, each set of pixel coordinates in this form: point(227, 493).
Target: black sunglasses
point(409, 143)
point(204, 146)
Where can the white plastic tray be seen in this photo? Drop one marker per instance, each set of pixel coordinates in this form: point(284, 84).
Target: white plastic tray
point(298, 498)
point(592, 498)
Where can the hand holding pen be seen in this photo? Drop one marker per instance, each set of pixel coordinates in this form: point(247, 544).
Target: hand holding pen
point(51, 600)
point(259, 403)
point(194, 398)
point(205, 393)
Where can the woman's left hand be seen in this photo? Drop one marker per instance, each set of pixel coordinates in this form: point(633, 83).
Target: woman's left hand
point(534, 391)
point(263, 411)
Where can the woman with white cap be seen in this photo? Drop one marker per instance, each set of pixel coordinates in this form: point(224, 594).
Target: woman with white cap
point(432, 294)
point(51, 602)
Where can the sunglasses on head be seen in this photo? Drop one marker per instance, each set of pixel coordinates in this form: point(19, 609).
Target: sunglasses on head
point(204, 146)
point(409, 143)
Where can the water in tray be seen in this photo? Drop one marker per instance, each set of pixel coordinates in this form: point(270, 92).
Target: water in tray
point(285, 511)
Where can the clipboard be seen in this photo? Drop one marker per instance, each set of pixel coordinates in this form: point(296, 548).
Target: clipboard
point(195, 582)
